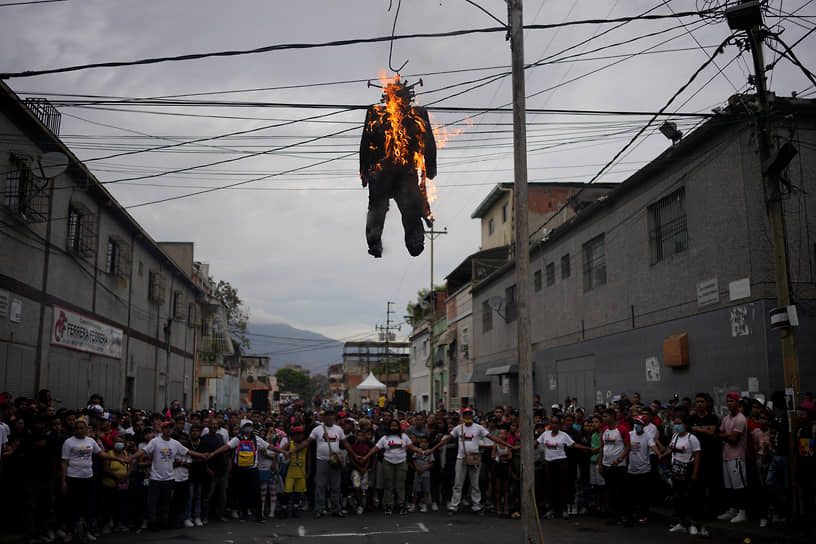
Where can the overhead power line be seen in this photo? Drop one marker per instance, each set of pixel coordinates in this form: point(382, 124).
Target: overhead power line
point(337, 43)
point(9, 4)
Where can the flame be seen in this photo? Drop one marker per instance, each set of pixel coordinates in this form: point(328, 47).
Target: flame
point(404, 129)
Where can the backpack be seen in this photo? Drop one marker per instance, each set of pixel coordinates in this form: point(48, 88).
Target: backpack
point(245, 453)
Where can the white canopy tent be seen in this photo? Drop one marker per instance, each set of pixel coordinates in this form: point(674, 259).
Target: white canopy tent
point(371, 384)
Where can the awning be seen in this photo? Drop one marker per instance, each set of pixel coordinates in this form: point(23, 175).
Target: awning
point(477, 376)
point(500, 370)
point(447, 337)
point(464, 378)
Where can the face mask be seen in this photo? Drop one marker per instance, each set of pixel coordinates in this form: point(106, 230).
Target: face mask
point(468, 421)
point(679, 428)
point(639, 428)
point(577, 426)
point(119, 446)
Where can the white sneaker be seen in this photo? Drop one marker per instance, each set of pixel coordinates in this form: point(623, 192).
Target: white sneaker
point(188, 523)
point(411, 508)
point(693, 530)
point(777, 518)
point(197, 522)
point(740, 517)
point(359, 511)
point(727, 515)
point(704, 532)
point(763, 522)
point(423, 508)
point(679, 528)
point(434, 507)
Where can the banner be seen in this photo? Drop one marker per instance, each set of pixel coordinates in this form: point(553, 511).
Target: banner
point(75, 331)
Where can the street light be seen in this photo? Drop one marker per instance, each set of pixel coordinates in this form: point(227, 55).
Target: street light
point(744, 16)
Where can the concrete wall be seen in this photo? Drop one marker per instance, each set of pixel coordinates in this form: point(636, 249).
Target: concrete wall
point(151, 372)
point(729, 239)
point(419, 372)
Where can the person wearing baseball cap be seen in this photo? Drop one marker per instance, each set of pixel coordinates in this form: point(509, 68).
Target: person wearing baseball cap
point(468, 458)
point(639, 468)
point(734, 436)
point(295, 486)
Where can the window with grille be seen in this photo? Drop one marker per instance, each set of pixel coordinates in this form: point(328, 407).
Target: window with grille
point(668, 227)
point(178, 305)
point(23, 193)
point(594, 263)
point(487, 316)
point(117, 258)
point(191, 314)
point(537, 280)
point(511, 309)
point(81, 234)
point(156, 290)
point(505, 212)
point(550, 274)
point(565, 266)
point(490, 227)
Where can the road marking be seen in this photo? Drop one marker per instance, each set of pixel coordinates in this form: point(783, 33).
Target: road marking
point(421, 528)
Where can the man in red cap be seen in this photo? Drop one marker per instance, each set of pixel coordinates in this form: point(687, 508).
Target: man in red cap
point(734, 434)
point(468, 459)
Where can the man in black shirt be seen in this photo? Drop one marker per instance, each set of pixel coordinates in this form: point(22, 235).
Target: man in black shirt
point(703, 424)
point(214, 498)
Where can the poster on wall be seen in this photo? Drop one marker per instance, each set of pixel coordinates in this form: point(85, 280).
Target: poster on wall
point(75, 331)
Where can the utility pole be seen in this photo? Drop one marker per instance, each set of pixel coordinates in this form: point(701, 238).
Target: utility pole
point(386, 331)
point(790, 358)
point(432, 234)
point(525, 355)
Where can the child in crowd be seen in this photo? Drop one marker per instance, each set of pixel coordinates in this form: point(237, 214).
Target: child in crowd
point(422, 465)
point(298, 472)
point(359, 472)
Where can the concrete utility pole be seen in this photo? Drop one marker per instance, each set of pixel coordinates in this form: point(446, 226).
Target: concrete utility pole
point(525, 355)
point(386, 331)
point(432, 234)
point(790, 358)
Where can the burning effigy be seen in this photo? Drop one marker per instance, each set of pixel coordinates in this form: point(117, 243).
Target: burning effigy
point(397, 160)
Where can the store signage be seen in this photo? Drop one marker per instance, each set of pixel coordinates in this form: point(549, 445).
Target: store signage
point(75, 331)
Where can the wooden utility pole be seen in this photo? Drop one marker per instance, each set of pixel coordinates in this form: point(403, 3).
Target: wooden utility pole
point(432, 234)
point(790, 358)
point(522, 255)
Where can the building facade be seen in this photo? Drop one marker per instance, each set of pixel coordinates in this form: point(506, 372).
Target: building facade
point(89, 302)
point(665, 285)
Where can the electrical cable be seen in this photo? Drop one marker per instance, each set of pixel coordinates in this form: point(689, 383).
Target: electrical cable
point(334, 43)
point(719, 50)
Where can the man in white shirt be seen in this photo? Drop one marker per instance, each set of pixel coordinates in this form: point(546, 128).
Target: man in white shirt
point(641, 446)
point(163, 451)
point(328, 437)
point(468, 459)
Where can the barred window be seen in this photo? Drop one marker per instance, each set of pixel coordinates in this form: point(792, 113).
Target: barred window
point(565, 266)
point(490, 227)
point(81, 234)
point(550, 274)
point(117, 258)
point(537, 280)
point(156, 289)
point(511, 309)
point(487, 316)
point(594, 263)
point(668, 227)
point(178, 305)
point(505, 212)
point(24, 194)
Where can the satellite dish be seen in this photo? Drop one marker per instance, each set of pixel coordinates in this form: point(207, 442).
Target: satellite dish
point(51, 164)
point(496, 302)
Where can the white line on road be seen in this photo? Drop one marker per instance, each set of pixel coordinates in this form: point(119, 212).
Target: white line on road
point(422, 527)
point(301, 531)
point(371, 533)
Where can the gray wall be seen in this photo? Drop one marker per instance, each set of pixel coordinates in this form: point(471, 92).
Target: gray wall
point(729, 239)
point(81, 283)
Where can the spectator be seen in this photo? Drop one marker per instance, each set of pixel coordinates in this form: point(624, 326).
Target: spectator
point(733, 433)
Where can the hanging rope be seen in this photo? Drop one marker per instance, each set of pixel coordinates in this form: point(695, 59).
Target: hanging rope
point(393, 32)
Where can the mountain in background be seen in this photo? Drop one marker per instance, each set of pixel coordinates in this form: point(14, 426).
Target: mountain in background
point(285, 345)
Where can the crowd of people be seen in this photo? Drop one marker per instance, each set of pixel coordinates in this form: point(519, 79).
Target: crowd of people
point(77, 474)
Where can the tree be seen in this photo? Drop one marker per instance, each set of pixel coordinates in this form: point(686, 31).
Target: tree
point(291, 380)
point(420, 310)
point(237, 312)
point(320, 385)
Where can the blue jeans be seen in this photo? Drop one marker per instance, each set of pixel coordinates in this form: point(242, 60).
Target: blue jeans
point(194, 495)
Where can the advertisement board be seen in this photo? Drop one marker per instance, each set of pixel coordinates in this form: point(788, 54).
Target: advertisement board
point(75, 331)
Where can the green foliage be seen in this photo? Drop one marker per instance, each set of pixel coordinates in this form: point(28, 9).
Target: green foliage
point(237, 313)
point(420, 310)
point(294, 381)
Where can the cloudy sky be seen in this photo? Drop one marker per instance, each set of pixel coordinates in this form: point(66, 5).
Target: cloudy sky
point(293, 243)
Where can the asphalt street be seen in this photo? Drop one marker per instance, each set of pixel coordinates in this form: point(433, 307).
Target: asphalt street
point(375, 528)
